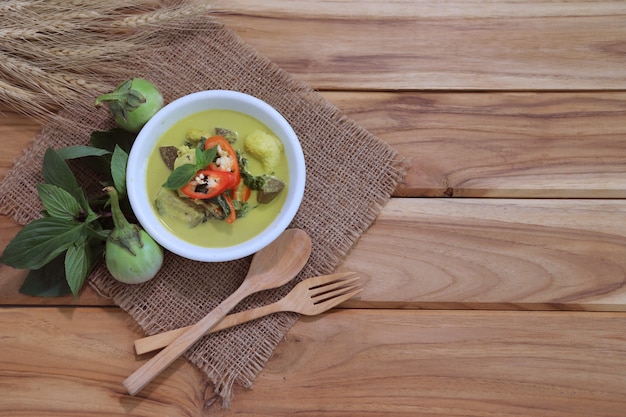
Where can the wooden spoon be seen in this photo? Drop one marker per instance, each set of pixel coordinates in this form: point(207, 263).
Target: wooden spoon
point(271, 267)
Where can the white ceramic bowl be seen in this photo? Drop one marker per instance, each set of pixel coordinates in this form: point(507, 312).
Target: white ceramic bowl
point(179, 109)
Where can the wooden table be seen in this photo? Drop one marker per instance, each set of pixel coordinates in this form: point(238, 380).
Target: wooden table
point(494, 277)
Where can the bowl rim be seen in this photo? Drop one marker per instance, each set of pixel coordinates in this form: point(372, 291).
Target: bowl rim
point(169, 115)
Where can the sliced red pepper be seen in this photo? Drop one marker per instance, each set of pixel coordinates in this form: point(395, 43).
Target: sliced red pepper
point(225, 146)
point(221, 181)
point(242, 192)
point(232, 215)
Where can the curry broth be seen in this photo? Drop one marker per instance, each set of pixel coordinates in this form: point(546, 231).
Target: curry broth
point(216, 233)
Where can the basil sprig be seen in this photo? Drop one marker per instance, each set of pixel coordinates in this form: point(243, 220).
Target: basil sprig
point(62, 247)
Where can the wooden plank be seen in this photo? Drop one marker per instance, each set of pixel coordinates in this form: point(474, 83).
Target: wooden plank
point(558, 145)
point(451, 45)
point(494, 254)
point(59, 362)
point(71, 361)
point(329, 9)
point(396, 363)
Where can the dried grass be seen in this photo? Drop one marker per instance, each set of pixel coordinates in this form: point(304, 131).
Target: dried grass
point(55, 51)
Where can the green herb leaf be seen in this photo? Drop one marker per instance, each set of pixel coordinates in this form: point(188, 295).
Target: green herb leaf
point(57, 172)
point(48, 281)
point(108, 139)
point(40, 241)
point(220, 200)
point(205, 157)
point(95, 231)
point(254, 182)
point(201, 162)
point(242, 208)
point(79, 151)
point(118, 169)
point(77, 266)
point(58, 202)
point(180, 176)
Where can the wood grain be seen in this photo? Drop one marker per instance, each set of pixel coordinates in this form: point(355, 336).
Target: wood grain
point(511, 145)
point(461, 9)
point(350, 362)
point(450, 45)
point(494, 254)
point(71, 361)
point(421, 363)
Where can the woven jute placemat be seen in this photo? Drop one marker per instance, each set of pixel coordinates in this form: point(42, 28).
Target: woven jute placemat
point(350, 176)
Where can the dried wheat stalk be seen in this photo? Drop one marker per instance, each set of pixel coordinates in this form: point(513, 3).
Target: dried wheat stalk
point(55, 51)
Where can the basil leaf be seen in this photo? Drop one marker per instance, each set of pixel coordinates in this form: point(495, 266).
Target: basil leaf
point(79, 151)
point(205, 157)
point(180, 176)
point(58, 202)
point(95, 231)
point(40, 241)
point(254, 182)
point(48, 281)
point(118, 169)
point(108, 139)
point(57, 172)
point(201, 162)
point(77, 266)
point(242, 208)
point(209, 154)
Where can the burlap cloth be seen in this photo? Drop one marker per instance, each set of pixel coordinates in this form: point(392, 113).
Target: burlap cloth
point(350, 176)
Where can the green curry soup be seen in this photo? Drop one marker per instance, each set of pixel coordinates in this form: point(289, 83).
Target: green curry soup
point(215, 233)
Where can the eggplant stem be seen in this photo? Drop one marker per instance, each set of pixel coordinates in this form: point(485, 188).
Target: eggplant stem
point(116, 212)
point(105, 98)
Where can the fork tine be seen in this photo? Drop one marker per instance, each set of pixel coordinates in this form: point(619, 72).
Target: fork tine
point(322, 289)
point(325, 279)
point(337, 299)
point(336, 293)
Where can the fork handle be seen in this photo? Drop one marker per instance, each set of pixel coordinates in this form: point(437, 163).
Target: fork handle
point(161, 340)
point(151, 369)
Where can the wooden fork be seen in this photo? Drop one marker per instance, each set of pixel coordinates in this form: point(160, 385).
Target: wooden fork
point(310, 297)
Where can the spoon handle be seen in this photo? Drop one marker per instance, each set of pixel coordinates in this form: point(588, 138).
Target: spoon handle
point(151, 369)
point(160, 340)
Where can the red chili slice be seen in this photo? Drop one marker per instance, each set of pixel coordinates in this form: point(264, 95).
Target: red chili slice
point(213, 184)
point(241, 193)
point(225, 146)
point(232, 215)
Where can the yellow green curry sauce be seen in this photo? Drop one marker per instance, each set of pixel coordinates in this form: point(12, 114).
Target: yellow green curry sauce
point(217, 233)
